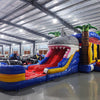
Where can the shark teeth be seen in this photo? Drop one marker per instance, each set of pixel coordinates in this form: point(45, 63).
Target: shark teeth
point(60, 47)
point(52, 47)
point(56, 47)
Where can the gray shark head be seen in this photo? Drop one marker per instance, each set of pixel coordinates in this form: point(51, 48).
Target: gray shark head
point(65, 40)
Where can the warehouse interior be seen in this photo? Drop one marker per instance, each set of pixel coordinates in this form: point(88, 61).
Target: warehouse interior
point(24, 30)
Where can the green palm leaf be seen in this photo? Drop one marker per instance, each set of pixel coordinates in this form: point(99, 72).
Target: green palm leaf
point(56, 34)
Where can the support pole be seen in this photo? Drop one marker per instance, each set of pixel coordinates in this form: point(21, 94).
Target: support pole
point(33, 48)
point(9, 50)
point(2, 50)
point(20, 50)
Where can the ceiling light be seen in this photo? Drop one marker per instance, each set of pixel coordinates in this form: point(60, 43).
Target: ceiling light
point(43, 39)
point(13, 44)
point(21, 30)
point(68, 16)
point(54, 21)
point(75, 19)
point(2, 29)
point(4, 46)
point(43, 27)
point(55, 1)
point(2, 36)
point(24, 41)
point(21, 22)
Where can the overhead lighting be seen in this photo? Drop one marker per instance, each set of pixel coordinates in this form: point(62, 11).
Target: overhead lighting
point(75, 19)
point(2, 36)
point(2, 29)
point(43, 27)
point(68, 16)
point(13, 44)
point(55, 1)
point(24, 41)
point(4, 46)
point(43, 39)
point(21, 30)
point(21, 22)
point(54, 21)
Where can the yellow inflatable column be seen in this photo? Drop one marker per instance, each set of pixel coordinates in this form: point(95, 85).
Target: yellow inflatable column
point(90, 53)
point(95, 51)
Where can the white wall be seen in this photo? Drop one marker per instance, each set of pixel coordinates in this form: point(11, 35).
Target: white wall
point(6, 48)
point(41, 46)
point(27, 47)
point(15, 48)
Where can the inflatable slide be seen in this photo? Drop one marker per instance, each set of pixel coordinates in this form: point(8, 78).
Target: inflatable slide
point(61, 59)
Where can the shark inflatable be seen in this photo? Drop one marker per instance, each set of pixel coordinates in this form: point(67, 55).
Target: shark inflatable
point(62, 59)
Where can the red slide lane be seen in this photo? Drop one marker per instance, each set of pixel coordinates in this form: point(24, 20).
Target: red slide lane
point(55, 52)
point(38, 70)
point(53, 61)
point(57, 59)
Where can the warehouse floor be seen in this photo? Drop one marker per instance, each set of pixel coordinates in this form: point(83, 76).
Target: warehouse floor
point(79, 86)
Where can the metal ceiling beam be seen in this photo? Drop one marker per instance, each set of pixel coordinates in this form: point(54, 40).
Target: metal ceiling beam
point(59, 3)
point(5, 43)
point(26, 29)
point(28, 11)
point(20, 38)
point(48, 12)
point(10, 41)
point(22, 7)
point(67, 13)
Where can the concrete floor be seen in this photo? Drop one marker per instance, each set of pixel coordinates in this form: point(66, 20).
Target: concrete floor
point(79, 86)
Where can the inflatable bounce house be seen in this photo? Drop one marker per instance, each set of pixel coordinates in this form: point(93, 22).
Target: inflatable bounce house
point(66, 55)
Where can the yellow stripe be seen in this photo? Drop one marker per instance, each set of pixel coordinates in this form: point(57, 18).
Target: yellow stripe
point(95, 51)
point(12, 78)
point(90, 53)
point(56, 70)
point(11, 75)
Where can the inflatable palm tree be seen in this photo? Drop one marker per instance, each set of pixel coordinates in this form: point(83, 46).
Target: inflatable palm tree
point(85, 42)
point(56, 34)
point(98, 32)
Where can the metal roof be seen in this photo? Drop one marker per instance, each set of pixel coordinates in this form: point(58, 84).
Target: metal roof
point(32, 20)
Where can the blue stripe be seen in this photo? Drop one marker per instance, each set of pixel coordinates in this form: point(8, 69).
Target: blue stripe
point(12, 69)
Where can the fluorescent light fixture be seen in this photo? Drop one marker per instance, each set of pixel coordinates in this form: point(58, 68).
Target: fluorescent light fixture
point(21, 22)
point(24, 41)
point(43, 27)
point(55, 1)
point(69, 16)
point(2, 36)
point(54, 21)
point(43, 39)
point(13, 44)
point(75, 19)
point(21, 30)
point(2, 29)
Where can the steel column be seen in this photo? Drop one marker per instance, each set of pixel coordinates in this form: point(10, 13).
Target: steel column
point(34, 48)
point(20, 50)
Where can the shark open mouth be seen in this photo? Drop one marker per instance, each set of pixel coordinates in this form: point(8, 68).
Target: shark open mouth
point(60, 48)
